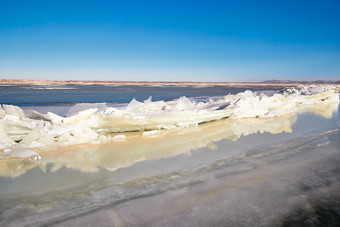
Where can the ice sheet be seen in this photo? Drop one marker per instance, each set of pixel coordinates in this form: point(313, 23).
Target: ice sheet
point(259, 178)
point(91, 123)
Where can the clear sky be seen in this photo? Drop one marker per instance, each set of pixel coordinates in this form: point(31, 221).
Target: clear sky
point(170, 40)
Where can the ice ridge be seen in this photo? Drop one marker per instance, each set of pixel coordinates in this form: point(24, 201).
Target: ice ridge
point(21, 130)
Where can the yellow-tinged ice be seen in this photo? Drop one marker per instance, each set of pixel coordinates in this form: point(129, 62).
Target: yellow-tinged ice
point(126, 149)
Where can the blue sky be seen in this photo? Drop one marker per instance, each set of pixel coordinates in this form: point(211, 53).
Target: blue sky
point(170, 40)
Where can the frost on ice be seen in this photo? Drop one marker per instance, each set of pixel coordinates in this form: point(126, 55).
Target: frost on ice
point(21, 131)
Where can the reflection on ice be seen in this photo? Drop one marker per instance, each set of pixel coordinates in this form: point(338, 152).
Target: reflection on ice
point(140, 148)
point(126, 149)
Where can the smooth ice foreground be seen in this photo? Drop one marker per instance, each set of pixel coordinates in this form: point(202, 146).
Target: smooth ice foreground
point(21, 132)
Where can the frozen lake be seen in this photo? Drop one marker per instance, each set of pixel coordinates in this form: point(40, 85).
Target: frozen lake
point(232, 172)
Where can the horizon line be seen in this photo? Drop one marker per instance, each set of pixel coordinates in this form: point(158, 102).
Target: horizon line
point(273, 81)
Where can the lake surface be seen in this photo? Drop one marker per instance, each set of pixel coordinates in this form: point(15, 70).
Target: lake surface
point(35, 94)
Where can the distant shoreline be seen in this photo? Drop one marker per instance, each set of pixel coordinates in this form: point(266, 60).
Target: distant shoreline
point(264, 83)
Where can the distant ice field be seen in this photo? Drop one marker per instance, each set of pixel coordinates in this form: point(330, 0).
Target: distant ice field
point(69, 94)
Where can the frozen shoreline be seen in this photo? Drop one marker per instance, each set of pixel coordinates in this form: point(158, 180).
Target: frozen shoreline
point(262, 177)
point(260, 171)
